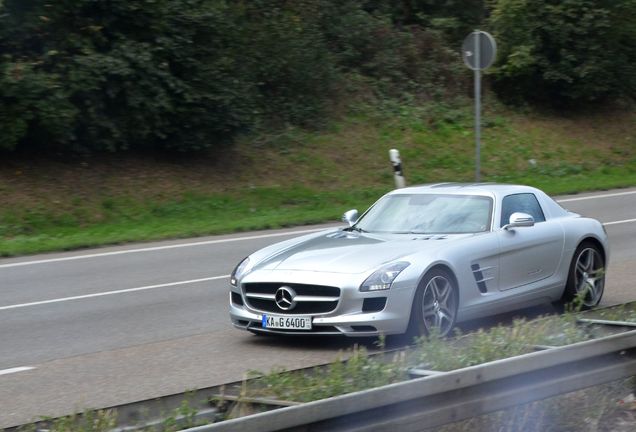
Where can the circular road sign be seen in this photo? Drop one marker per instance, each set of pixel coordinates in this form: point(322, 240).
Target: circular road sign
point(479, 50)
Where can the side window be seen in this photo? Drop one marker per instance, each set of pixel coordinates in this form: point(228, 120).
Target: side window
point(523, 203)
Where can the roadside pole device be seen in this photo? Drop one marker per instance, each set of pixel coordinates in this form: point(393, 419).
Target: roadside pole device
point(398, 175)
point(479, 50)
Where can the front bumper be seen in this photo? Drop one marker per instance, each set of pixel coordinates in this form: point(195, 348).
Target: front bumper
point(348, 318)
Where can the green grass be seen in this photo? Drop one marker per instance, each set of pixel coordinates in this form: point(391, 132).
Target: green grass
point(189, 216)
point(297, 177)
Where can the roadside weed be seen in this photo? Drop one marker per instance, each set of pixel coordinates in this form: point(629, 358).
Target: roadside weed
point(358, 372)
point(89, 421)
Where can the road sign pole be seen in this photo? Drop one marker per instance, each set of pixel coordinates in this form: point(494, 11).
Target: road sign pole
point(479, 50)
point(477, 108)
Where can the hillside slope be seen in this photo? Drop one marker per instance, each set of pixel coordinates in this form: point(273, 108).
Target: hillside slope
point(297, 176)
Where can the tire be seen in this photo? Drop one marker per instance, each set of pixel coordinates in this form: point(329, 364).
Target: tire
point(586, 277)
point(434, 309)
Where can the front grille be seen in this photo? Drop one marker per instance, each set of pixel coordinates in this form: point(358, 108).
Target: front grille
point(310, 299)
point(301, 289)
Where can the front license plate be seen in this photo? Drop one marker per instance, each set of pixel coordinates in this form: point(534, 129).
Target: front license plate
point(286, 322)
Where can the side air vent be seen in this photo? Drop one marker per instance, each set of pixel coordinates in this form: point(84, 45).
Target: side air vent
point(480, 278)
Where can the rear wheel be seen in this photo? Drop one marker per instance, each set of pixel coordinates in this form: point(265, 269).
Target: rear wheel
point(586, 278)
point(434, 309)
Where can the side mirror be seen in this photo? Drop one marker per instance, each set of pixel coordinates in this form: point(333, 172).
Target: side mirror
point(350, 217)
point(518, 220)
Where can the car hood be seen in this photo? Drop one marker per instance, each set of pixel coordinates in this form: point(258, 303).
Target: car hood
point(350, 252)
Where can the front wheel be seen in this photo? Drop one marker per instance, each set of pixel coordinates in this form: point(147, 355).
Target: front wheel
point(434, 309)
point(586, 278)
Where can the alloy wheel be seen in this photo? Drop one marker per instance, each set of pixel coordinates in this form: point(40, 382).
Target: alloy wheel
point(589, 276)
point(439, 306)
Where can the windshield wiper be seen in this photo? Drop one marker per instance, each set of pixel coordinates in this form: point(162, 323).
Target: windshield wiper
point(411, 232)
point(355, 228)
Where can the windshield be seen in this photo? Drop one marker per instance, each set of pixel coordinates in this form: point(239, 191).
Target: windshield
point(428, 214)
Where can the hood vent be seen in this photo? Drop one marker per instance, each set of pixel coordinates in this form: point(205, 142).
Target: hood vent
point(343, 234)
point(432, 237)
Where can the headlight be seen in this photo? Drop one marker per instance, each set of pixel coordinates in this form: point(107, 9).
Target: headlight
point(384, 277)
point(238, 271)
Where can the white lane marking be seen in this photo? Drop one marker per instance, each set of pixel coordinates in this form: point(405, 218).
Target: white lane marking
point(101, 294)
point(15, 370)
point(620, 222)
point(596, 196)
point(150, 249)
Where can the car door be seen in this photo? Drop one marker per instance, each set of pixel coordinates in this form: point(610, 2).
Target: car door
point(527, 254)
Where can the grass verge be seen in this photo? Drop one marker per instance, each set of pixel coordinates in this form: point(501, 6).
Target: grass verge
point(189, 216)
point(298, 177)
point(361, 371)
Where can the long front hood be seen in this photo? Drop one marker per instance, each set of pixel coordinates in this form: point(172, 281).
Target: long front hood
point(343, 252)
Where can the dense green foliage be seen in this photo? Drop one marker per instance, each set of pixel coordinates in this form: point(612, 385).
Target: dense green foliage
point(566, 51)
point(81, 74)
point(85, 75)
point(456, 18)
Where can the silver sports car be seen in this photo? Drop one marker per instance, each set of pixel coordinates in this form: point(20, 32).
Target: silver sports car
point(422, 259)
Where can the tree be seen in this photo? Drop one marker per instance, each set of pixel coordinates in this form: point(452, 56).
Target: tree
point(86, 75)
point(566, 51)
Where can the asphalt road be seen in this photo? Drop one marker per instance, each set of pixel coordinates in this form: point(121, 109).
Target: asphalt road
point(102, 327)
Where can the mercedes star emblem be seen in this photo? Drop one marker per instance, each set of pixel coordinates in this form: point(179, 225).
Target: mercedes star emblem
point(285, 298)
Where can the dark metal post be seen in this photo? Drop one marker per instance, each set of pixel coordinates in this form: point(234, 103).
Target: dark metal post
point(477, 107)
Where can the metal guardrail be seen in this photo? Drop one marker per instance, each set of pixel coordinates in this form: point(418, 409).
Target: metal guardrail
point(452, 396)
